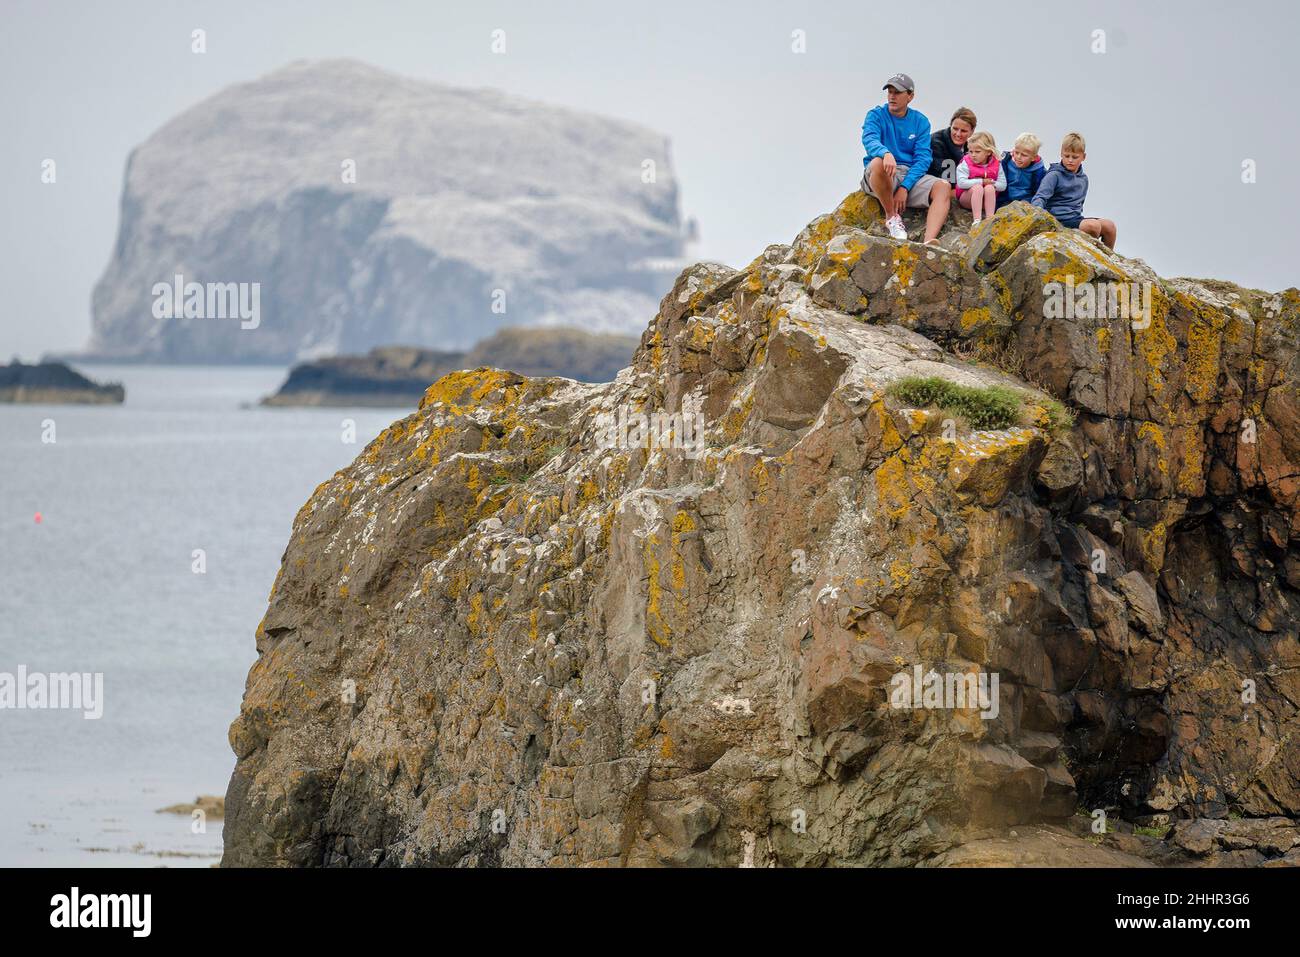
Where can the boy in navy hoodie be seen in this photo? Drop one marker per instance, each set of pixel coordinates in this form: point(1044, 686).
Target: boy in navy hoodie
point(1024, 170)
point(1063, 190)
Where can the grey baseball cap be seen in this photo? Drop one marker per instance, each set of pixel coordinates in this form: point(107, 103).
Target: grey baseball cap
point(900, 81)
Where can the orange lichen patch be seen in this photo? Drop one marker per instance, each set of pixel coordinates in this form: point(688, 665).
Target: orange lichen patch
point(1001, 290)
point(902, 478)
point(656, 349)
point(891, 487)
point(588, 492)
point(1153, 546)
point(975, 317)
point(1103, 339)
point(474, 620)
point(1063, 273)
point(470, 388)
point(701, 334)
point(473, 480)
point(656, 627)
point(734, 421)
point(1155, 345)
point(542, 514)
point(812, 244)
point(1008, 231)
point(617, 472)
point(606, 527)
point(857, 209)
point(1038, 417)
point(900, 573)
point(1153, 433)
point(761, 479)
point(1191, 475)
point(905, 260)
point(890, 439)
point(845, 251)
point(457, 583)
point(396, 433)
point(1205, 335)
point(429, 449)
point(983, 463)
point(682, 524)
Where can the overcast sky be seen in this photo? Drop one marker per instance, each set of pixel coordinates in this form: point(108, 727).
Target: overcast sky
point(764, 138)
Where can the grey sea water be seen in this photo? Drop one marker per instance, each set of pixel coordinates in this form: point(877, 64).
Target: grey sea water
point(105, 582)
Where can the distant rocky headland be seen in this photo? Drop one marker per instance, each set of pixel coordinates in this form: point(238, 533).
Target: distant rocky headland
point(392, 376)
point(54, 382)
point(330, 207)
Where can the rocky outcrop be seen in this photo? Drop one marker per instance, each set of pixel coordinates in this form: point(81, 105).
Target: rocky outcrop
point(212, 806)
point(54, 383)
point(528, 627)
point(399, 375)
point(351, 208)
point(387, 376)
point(555, 351)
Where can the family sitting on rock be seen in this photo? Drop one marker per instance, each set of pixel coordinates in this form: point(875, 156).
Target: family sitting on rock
point(907, 166)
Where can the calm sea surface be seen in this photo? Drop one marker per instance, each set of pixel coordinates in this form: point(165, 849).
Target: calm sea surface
point(105, 582)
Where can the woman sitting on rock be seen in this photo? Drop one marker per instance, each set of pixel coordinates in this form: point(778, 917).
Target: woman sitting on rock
point(948, 147)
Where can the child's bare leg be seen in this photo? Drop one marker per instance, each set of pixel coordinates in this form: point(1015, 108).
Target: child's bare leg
point(964, 200)
point(990, 200)
point(1104, 229)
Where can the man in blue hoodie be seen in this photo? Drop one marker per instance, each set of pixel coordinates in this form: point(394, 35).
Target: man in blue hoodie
point(1064, 188)
point(897, 144)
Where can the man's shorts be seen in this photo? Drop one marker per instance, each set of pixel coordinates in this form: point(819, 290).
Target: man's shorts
point(917, 196)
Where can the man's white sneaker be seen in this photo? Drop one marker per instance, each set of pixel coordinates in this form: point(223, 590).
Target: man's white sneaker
point(896, 228)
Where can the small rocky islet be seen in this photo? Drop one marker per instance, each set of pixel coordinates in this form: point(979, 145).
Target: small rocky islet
point(52, 382)
point(394, 376)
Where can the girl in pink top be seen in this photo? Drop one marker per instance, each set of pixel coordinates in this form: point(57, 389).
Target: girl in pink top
point(980, 176)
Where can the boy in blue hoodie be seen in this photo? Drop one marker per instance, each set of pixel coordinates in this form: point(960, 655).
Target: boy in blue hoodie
point(895, 168)
point(1024, 170)
point(1063, 190)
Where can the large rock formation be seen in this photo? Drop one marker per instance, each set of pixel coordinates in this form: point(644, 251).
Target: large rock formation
point(511, 634)
point(470, 210)
point(399, 375)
